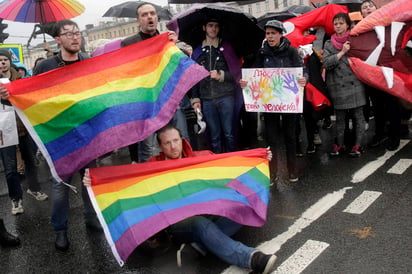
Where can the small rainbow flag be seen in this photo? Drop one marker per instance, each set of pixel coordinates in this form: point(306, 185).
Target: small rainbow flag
point(82, 111)
point(134, 202)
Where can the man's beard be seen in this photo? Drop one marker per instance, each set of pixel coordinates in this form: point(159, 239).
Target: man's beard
point(71, 50)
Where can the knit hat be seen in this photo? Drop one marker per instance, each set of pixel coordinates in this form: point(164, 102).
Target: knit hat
point(6, 53)
point(275, 24)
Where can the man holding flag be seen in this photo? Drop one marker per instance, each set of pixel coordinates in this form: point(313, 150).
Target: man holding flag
point(206, 233)
point(68, 36)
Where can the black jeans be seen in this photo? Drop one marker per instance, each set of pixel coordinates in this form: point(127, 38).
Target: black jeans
point(274, 126)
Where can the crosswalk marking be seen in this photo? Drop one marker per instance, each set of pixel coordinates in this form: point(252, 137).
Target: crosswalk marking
point(362, 202)
point(401, 166)
point(303, 257)
point(309, 216)
point(371, 167)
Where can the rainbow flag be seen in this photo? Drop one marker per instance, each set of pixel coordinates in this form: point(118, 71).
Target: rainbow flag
point(82, 111)
point(134, 202)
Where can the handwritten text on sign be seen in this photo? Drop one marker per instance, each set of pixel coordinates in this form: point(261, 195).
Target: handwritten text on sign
point(273, 90)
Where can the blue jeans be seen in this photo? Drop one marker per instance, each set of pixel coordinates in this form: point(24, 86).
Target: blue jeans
point(219, 115)
point(9, 159)
point(60, 204)
point(214, 236)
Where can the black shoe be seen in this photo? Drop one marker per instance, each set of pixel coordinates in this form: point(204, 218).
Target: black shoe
point(93, 224)
point(7, 239)
point(377, 141)
point(61, 243)
point(327, 123)
point(311, 149)
point(392, 144)
point(262, 263)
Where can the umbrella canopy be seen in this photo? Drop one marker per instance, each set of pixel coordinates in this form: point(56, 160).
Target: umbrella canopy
point(299, 9)
point(280, 16)
point(128, 10)
point(236, 27)
point(36, 11)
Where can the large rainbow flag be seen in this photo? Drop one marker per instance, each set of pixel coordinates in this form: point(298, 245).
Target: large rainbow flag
point(82, 111)
point(134, 202)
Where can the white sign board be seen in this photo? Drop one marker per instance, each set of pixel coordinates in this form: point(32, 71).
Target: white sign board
point(273, 90)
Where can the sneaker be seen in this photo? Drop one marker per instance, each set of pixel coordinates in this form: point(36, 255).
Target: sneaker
point(356, 151)
point(311, 149)
point(189, 252)
point(273, 179)
point(316, 139)
point(337, 150)
point(262, 263)
point(293, 178)
point(17, 206)
point(38, 195)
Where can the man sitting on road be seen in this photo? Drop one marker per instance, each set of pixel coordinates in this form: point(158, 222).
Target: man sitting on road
point(211, 233)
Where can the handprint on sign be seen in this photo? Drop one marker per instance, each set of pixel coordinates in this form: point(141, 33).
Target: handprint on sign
point(266, 91)
point(277, 88)
point(290, 83)
point(255, 88)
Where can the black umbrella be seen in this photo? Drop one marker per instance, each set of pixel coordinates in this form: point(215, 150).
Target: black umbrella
point(236, 27)
point(280, 16)
point(299, 9)
point(353, 5)
point(128, 10)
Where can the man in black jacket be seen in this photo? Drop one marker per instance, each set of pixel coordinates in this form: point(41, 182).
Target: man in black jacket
point(68, 36)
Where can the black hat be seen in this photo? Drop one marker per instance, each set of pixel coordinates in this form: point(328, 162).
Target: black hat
point(276, 25)
point(211, 19)
point(6, 53)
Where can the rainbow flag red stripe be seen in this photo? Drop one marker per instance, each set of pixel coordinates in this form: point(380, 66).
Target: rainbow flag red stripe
point(134, 202)
point(79, 112)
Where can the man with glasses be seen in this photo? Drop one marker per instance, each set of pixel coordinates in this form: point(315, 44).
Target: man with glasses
point(69, 38)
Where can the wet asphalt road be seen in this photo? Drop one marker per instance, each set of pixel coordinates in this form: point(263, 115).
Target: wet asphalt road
point(376, 241)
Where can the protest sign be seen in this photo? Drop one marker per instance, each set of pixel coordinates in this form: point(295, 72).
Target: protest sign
point(273, 90)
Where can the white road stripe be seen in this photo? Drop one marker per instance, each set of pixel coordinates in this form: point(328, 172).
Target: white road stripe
point(309, 216)
point(401, 166)
point(362, 202)
point(303, 257)
point(371, 167)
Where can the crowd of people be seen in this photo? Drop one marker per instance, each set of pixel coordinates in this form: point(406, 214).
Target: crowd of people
point(327, 68)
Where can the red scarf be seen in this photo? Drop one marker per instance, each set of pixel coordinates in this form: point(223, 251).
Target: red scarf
point(337, 42)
